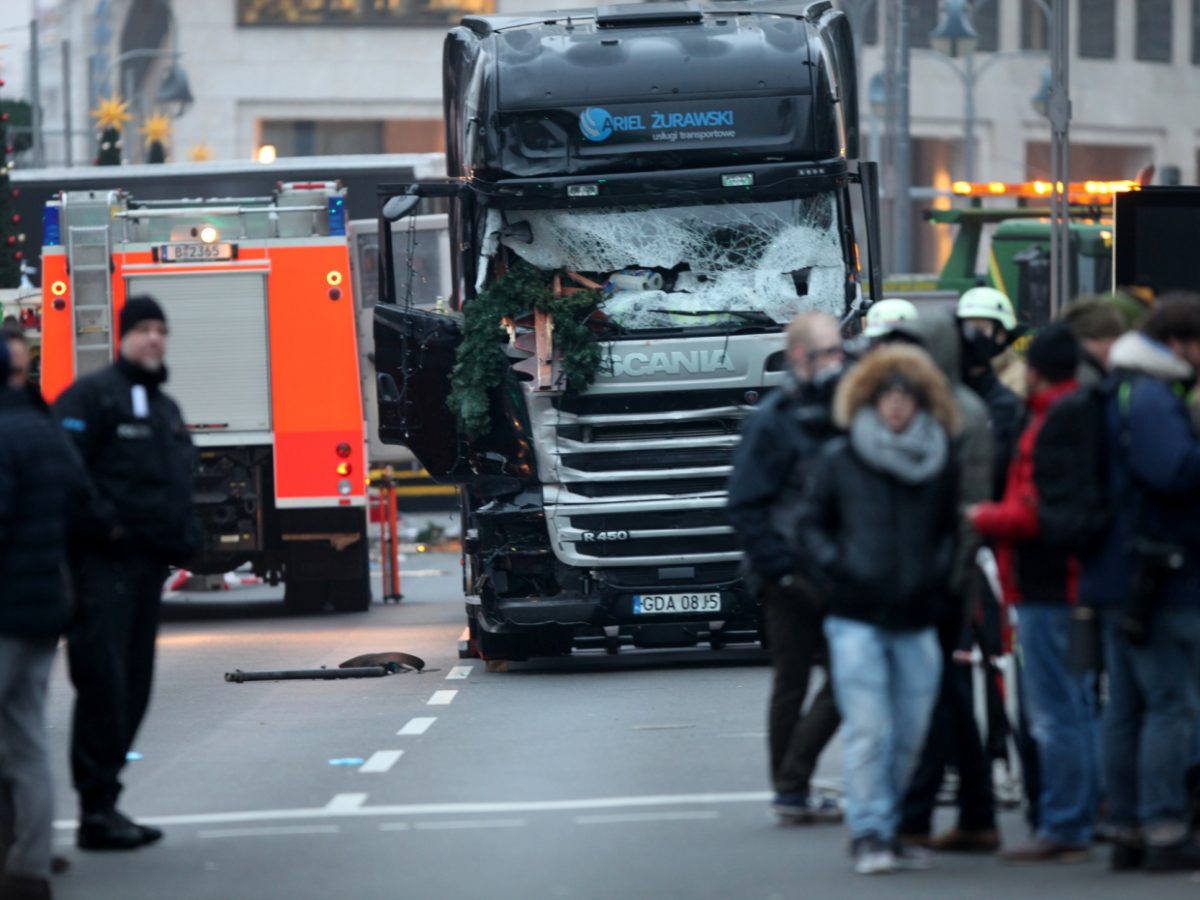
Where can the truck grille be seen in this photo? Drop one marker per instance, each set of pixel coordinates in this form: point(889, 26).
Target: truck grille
point(665, 456)
point(701, 544)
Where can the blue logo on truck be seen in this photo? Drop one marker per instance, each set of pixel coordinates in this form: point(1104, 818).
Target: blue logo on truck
point(596, 123)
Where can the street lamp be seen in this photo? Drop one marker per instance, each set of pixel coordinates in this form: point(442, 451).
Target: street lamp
point(955, 35)
point(1041, 100)
point(175, 90)
point(877, 97)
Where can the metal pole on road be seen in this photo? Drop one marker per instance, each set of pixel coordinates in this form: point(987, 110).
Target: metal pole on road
point(35, 96)
point(969, 118)
point(1059, 111)
point(902, 221)
point(68, 137)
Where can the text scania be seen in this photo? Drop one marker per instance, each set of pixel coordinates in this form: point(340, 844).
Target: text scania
point(693, 362)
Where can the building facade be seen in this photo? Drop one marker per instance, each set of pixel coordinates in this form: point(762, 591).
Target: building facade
point(364, 76)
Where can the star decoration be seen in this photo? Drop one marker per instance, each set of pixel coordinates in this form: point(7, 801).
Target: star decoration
point(201, 153)
point(113, 112)
point(156, 128)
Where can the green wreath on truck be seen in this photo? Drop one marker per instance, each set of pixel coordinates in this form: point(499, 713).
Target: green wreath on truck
point(481, 362)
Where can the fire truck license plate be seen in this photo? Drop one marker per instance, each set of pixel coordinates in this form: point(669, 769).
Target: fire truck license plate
point(665, 604)
point(195, 251)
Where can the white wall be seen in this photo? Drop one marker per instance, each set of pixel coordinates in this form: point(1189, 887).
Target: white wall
point(242, 75)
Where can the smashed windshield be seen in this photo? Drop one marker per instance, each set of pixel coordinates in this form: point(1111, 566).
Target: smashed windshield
point(692, 265)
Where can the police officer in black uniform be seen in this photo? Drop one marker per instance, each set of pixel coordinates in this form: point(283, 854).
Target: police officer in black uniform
point(779, 440)
point(137, 450)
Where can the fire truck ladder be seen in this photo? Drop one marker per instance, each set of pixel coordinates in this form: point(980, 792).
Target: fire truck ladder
point(89, 249)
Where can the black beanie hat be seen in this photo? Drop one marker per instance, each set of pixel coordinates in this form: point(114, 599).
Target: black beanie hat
point(1054, 353)
point(138, 310)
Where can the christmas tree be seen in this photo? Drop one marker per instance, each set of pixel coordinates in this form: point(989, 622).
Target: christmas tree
point(11, 253)
point(111, 116)
point(156, 131)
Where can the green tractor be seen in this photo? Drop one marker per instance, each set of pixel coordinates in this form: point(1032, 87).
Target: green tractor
point(1018, 256)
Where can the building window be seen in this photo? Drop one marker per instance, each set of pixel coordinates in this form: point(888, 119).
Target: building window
point(1035, 26)
point(334, 137)
point(1196, 31)
point(985, 16)
point(1098, 29)
point(1154, 30)
point(923, 17)
point(357, 13)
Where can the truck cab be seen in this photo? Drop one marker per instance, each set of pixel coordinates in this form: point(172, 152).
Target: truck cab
point(666, 186)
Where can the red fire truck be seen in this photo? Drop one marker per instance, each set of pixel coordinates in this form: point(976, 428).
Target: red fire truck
point(263, 360)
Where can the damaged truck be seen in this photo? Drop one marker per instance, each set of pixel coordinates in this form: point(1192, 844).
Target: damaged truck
point(641, 197)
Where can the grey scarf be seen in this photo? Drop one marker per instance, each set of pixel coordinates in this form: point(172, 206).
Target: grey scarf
point(914, 456)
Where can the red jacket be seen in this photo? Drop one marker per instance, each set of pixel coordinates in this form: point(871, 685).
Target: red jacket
point(1029, 570)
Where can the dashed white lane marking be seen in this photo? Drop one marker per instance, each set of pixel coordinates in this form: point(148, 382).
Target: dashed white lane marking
point(419, 725)
point(624, 818)
point(395, 826)
point(381, 761)
point(465, 825)
point(278, 831)
point(342, 804)
point(459, 673)
point(442, 698)
point(351, 805)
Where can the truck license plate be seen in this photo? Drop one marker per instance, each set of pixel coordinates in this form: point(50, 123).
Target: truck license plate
point(665, 604)
point(195, 252)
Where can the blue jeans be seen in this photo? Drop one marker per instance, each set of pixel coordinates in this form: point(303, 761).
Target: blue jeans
point(886, 683)
point(1150, 723)
point(1062, 719)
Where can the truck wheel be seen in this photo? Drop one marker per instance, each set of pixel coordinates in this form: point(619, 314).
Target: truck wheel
point(496, 647)
point(301, 596)
point(319, 576)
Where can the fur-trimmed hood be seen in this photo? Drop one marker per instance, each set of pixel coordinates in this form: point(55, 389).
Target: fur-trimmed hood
point(1134, 352)
point(860, 385)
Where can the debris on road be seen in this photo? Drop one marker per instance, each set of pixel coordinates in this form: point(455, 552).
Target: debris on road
point(237, 676)
point(394, 658)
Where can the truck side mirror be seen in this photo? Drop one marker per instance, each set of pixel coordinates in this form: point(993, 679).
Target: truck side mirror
point(398, 207)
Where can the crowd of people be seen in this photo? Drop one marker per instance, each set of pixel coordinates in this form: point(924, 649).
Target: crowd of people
point(95, 503)
point(878, 491)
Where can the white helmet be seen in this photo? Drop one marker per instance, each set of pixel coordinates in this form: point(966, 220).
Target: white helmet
point(884, 315)
point(987, 303)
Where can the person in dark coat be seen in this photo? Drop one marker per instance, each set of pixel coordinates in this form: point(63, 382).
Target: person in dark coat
point(879, 524)
point(1097, 323)
point(986, 325)
point(137, 450)
point(779, 440)
point(1041, 583)
point(1145, 577)
point(42, 485)
point(953, 734)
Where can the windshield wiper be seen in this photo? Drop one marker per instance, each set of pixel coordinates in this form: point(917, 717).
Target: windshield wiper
point(755, 316)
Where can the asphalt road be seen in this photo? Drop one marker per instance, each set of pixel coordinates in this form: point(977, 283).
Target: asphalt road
point(640, 776)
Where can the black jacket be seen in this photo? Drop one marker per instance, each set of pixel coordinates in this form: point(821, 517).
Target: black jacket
point(778, 440)
point(142, 466)
point(43, 489)
point(1007, 414)
point(882, 548)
